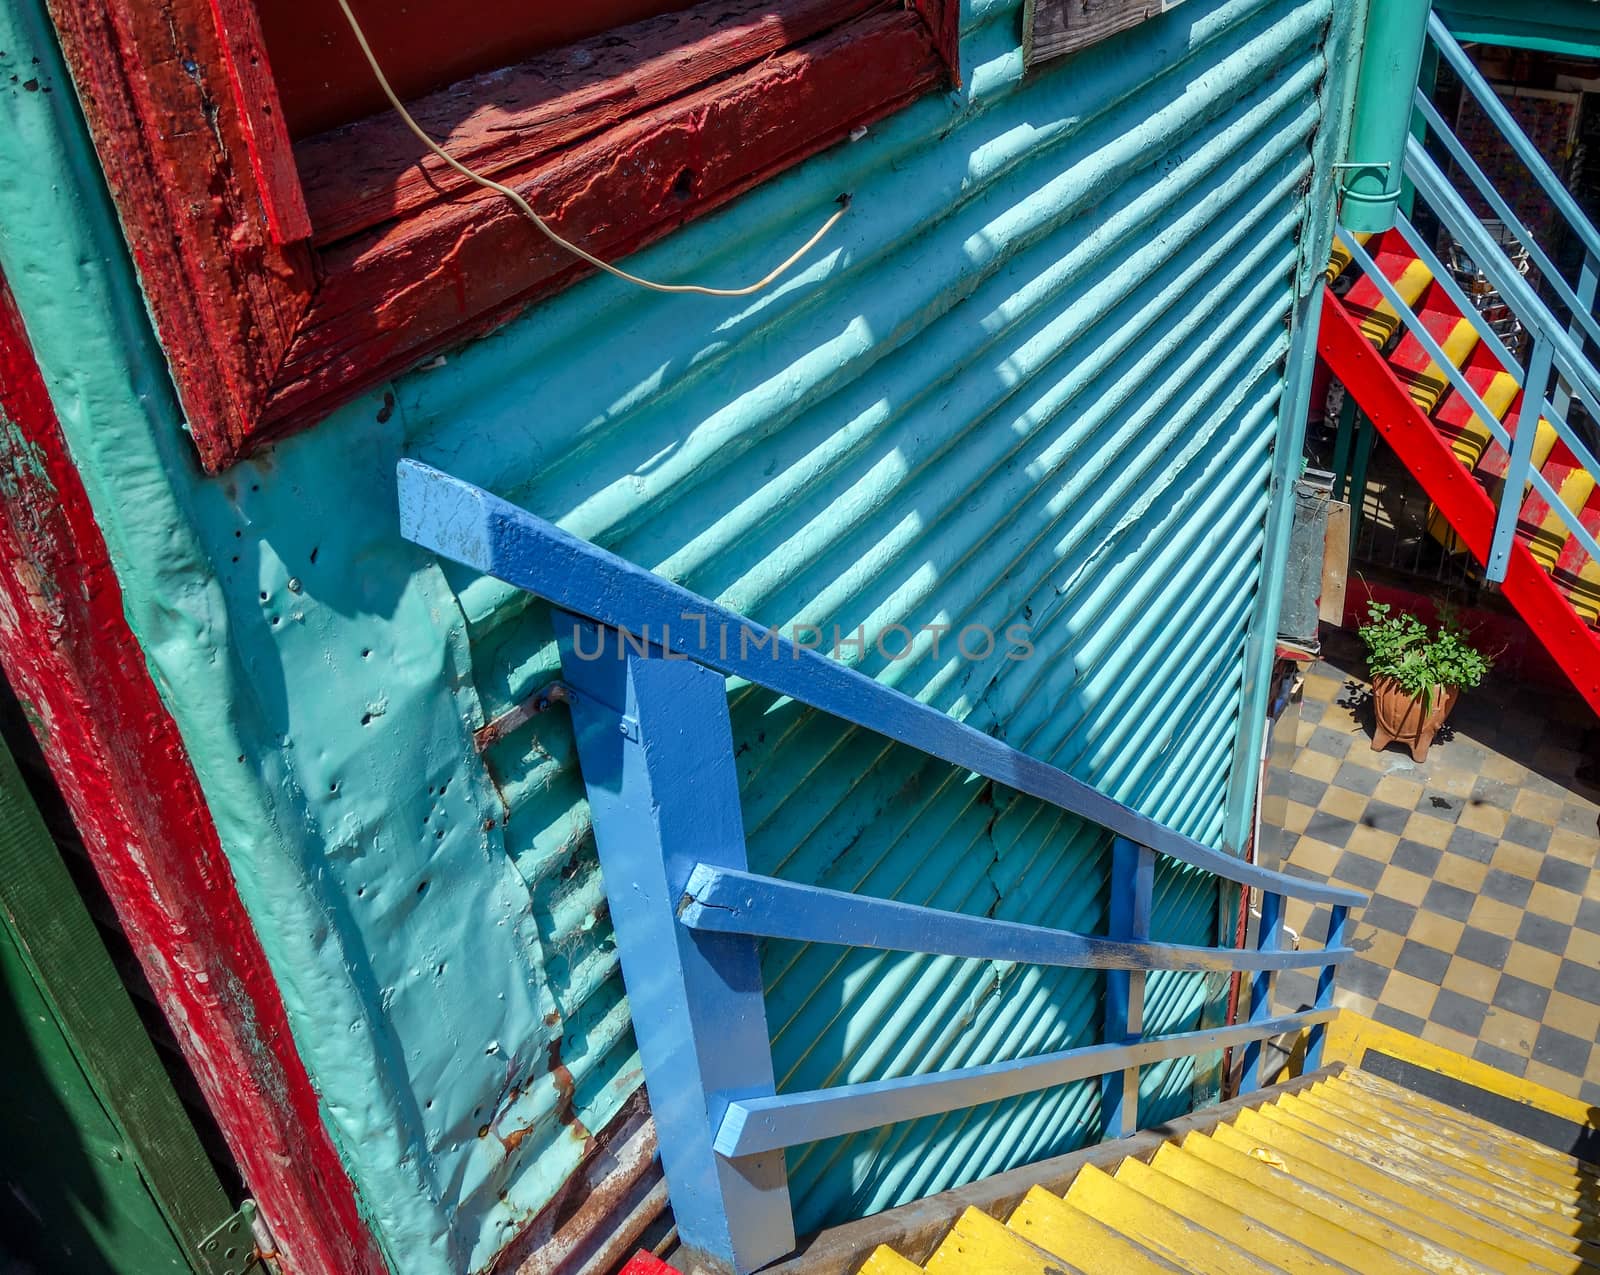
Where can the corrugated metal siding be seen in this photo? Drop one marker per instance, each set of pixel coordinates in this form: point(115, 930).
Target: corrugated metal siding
point(1034, 381)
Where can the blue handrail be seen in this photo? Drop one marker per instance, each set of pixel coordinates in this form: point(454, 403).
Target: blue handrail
point(1480, 88)
point(472, 526)
point(645, 662)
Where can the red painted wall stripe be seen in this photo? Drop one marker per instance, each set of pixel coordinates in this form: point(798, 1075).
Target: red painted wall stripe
point(67, 649)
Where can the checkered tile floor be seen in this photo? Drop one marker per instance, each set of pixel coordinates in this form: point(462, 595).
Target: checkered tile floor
point(1483, 931)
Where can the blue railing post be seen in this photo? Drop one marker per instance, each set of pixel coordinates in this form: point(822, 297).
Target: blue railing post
point(1517, 473)
point(656, 749)
point(1269, 938)
point(1132, 889)
point(1561, 400)
point(1338, 918)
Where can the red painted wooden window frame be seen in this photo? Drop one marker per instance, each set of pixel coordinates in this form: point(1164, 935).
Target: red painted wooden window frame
point(276, 295)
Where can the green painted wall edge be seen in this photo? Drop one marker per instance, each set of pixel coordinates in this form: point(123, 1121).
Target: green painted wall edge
point(54, 936)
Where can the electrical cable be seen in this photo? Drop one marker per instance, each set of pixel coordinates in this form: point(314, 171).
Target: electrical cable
point(526, 210)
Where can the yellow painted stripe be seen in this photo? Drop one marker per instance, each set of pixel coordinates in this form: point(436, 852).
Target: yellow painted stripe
point(1373, 1189)
point(1279, 1205)
point(1251, 1235)
point(1178, 1238)
point(1434, 1111)
point(1350, 1035)
point(1339, 259)
point(1231, 1151)
point(1427, 387)
point(1501, 1151)
point(885, 1261)
point(977, 1242)
point(1381, 322)
point(1088, 1244)
point(1474, 1188)
point(1549, 538)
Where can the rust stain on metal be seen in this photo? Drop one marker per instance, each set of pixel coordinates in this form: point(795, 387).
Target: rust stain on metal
point(541, 701)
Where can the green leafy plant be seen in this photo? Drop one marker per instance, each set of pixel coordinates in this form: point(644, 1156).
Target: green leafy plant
point(1419, 660)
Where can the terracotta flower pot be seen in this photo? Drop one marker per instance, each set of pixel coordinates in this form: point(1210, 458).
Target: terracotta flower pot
point(1399, 715)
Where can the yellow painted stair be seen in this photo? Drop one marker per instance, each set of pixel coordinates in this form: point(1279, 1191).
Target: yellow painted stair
point(1349, 1173)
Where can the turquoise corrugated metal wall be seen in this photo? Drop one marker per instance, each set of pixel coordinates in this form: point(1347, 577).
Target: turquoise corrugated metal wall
point(1036, 381)
point(1035, 378)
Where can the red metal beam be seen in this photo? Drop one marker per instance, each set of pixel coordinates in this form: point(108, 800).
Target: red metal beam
point(1422, 449)
point(67, 649)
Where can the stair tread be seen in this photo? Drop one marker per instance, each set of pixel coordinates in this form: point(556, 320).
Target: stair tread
point(1410, 276)
point(1455, 416)
point(1577, 574)
point(1334, 1199)
point(1255, 1236)
point(1476, 1188)
point(1180, 1239)
point(885, 1261)
point(1518, 1154)
point(977, 1242)
point(1071, 1235)
point(1539, 525)
point(1426, 1205)
point(1297, 1208)
point(1424, 379)
point(1423, 1103)
point(1372, 1190)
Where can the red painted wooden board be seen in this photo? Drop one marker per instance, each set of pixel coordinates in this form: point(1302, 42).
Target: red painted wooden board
point(642, 1263)
point(116, 755)
point(266, 331)
point(1466, 506)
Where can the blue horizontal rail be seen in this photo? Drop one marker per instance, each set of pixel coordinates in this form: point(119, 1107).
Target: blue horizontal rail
point(750, 1126)
point(1553, 346)
point(1518, 293)
point(726, 901)
point(645, 662)
point(472, 526)
point(1502, 209)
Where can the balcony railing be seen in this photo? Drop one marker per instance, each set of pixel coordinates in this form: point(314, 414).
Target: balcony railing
point(644, 662)
point(1558, 371)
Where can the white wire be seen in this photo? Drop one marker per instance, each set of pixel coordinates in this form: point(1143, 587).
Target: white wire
point(526, 210)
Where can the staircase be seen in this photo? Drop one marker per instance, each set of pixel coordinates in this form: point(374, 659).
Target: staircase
point(1353, 1173)
point(1492, 440)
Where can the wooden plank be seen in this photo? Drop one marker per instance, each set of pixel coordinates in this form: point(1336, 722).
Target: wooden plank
point(468, 524)
point(373, 171)
point(226, 299)
point(57, 937)
point(1335, 563)
point(261, 118)
point(752, 1125)
point(1055, 28)
point(727, 901)
point(470, 261)
point(123, 770)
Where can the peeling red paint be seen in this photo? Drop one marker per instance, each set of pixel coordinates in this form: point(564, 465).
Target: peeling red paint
point(115, 752)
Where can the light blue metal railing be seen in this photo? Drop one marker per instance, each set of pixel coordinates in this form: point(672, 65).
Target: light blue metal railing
point(645, 663)
point(1558, 370)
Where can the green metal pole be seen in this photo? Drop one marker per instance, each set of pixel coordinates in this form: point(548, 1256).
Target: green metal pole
point(1366, 432)
point(1391, 58)
point(1341, 446)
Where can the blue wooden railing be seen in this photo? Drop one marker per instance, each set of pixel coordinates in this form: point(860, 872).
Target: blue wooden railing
point(645, 663)
point(1558, 369)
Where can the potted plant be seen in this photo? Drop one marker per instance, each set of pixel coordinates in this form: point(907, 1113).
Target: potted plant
point(1417, 675)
